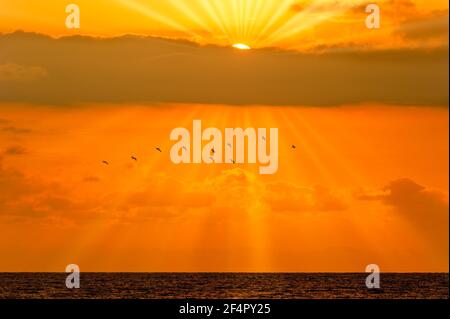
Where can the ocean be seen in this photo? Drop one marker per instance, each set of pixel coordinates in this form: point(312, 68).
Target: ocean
point(223, 286)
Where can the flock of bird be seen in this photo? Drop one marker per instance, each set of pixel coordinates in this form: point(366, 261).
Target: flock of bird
point(134, 158)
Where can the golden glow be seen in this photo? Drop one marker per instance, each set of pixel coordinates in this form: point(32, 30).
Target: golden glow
point(152, 215)
point(322, 211)
point(241, 46)
point(291, 24)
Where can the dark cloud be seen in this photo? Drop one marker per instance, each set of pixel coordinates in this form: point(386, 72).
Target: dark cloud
point(91, 179)
point(23, 198)
point(15, 187)
point(15, 150)
point(15, 130)
point(409, 197)
point(427, 28)
point(15, 72)
point(427, 210)
point(133, 69)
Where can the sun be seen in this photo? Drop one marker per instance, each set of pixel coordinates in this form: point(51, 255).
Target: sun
point(238, 23)
point(241, 46)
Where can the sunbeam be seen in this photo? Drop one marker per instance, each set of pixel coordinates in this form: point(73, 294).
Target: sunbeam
point(257, 23)
point(192, 15)
point(145, 10)
point(316, 13)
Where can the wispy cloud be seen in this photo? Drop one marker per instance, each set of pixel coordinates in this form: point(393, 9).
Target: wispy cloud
point(20, 73)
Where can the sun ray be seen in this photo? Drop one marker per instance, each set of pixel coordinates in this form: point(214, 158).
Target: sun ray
point(240, 12)
point(256, 22)
point(248, 6)
point(191, 14)
point(225, 18)
point(211, 12)
point(294, 20)
point(260, 16)
point(157, 16)
point(309, 18)
point(317, 139)
point(324, 174)
point(278, 14)
point(236, 18)
point(254, 16)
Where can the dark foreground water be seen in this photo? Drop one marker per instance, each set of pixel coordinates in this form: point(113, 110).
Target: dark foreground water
point(222, 285)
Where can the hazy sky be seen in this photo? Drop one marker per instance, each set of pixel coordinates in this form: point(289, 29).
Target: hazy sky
point(367, 110)
point(365, 185)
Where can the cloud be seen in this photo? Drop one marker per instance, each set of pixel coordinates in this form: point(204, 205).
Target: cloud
point(392, 11)
point(408, 196)
point(132, 69)
point(238, 191)
point(298, 7)
point(91, 179)
point(230, 195)
point(283, 196)
point(427, 28)
point(15, 150)
point(24, 198)
point(166, 191)
point(16, 72)
point(403, 25)
point(15, 130)
point(319, 7)
point(426, 209)
point(15, 187)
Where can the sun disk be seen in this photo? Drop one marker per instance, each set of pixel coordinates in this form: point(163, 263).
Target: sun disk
point(241, 46)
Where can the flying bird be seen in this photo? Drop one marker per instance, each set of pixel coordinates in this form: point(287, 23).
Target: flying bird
point(263, 137)
point(212, 151)
point(233, 161)
point(229, 145)
point(293, 146)
point(134, 158)
point(105, 162)
point(159, 150)
point(185, 148)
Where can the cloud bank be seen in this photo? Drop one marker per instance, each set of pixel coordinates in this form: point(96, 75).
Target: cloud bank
point(130, 69)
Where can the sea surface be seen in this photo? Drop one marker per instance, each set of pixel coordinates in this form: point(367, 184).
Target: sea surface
point(223, 286)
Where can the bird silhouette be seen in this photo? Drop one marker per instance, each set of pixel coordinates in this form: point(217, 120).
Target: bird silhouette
point(212, 151)
point(134, 158)
point(263, 137)
point(233, 161)
point(293, 146)
point(105, 162)
point(159, 150)
point(229, 145)
point(185, 148)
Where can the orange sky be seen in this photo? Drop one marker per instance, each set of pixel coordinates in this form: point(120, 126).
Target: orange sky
point(292, 24)
point(347, 196)
point(367, 110)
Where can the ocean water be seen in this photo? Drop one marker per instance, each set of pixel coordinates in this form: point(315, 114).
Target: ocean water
point(223, 285)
